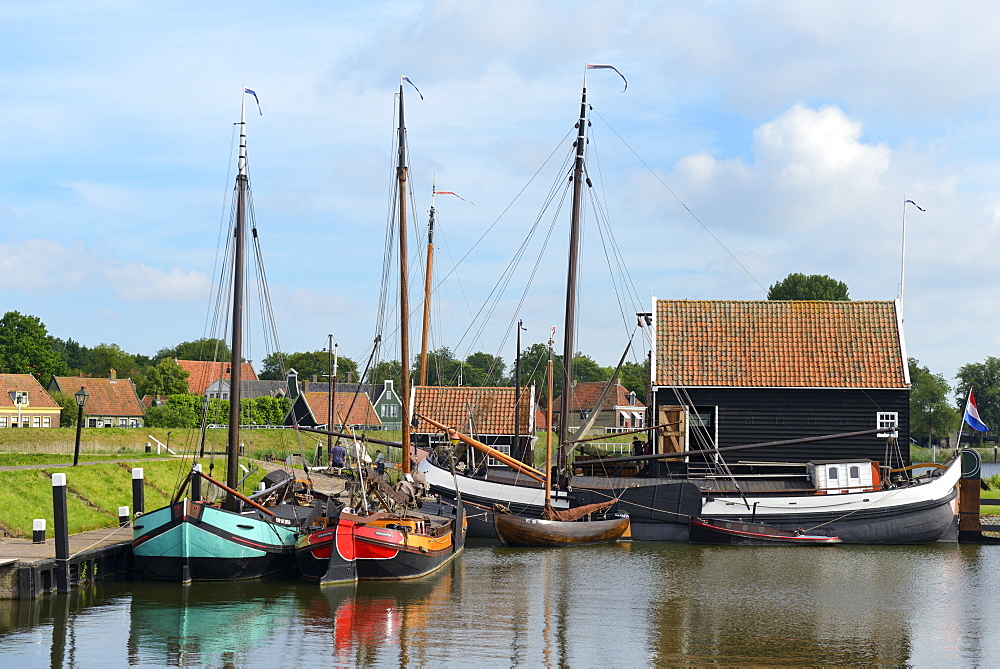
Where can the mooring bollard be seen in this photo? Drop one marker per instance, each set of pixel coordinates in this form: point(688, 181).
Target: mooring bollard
point(149, 447)
point(123, 516)
point(38, 531)
point(61, 523)
point(196, 482)
point(138, 491)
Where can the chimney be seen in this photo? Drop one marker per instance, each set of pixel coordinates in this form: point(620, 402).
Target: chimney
point(292, 378)
point(114, 375)
point(313, 379)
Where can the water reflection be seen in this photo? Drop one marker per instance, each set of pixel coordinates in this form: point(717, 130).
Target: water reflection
point(632, 604)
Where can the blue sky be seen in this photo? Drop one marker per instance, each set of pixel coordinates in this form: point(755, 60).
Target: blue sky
point(793, 131)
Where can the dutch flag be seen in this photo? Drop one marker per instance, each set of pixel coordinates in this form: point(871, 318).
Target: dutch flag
point(972, 414)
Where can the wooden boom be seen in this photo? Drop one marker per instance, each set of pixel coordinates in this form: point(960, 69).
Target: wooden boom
point(516, 465)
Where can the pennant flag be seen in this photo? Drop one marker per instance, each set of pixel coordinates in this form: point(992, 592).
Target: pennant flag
point(609, 67)
point(972, 415)
point(448, 192)
point(407, 80)
point(520, 324)
point(552, 335)
point(249, 91)
point(915, 205)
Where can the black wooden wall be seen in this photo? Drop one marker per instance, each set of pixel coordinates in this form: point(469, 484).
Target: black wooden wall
point(755, 415)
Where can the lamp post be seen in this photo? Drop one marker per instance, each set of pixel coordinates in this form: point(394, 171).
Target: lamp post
point(81, 399)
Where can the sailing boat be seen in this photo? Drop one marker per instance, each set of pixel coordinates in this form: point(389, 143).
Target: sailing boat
point(660, 507)
point(558, 528)
point(194, 540)
point(345, 545)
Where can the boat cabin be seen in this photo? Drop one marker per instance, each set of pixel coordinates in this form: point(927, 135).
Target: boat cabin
point(835, 477)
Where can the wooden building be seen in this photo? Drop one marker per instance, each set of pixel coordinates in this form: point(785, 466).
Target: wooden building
point(486, 414)
point(212, 378)
point(728, 373)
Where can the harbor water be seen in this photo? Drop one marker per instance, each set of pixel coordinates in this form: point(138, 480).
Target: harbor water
point(630, 604)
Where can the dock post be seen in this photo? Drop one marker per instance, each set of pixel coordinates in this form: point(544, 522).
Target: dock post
point(38, 531)
point(138, 492)
point(196, 482)
point(970, 529)
point(61, 523)
point(123, 516)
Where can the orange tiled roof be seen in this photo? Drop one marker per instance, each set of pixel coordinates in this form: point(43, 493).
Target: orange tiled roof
point(489, 410)
point(107, 397)
point(586, 393)
point(362, 413)
point(778, 344)
point(202, 374)
point(37, 397)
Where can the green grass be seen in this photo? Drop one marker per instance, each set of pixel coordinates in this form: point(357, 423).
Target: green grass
point(26, 495)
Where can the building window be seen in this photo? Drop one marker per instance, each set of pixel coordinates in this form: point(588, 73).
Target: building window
point(92, 422)
point(393, 411)
point(503, 448)
point(36, 421)
point(19, 396)
point(3, 421)
point(24, 422)
point(122, 422)
point(107, 422)
point(133, 422)
point(887, 423)
point(46, 422)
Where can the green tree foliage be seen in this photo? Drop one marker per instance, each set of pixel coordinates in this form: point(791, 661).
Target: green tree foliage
point(206, 349)
point(984, 379)
point(73, 353)
point(385, 370)
point(931, 414)
point(105, 357)
point(164, 378)
point(309, 364)
point(586, 369)
point(25, 348)
point(484, 369)
point(443, 369)
point(534, 361)
point(180, 411)
point(69, 409)
point(635, 377)
point(808, 287)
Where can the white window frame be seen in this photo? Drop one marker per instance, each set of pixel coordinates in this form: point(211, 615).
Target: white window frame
point(888, 423)
point(36, 421)
point(46, 421)
point(503, 448)
point(3, 421)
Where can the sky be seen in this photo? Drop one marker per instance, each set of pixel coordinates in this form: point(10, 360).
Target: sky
point(754, 140)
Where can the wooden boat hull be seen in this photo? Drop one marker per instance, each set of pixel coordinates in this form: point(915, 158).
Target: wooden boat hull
point(722, 532)
point(922, 513)
point(194, 541)
point(354, 548)
point(516, 531)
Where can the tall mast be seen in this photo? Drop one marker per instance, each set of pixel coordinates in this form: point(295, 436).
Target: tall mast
point(571, 279)
point(427, 289)
point(404, 292)
point(235, 365)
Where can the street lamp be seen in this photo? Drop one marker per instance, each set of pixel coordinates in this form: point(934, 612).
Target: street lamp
point(81, 399)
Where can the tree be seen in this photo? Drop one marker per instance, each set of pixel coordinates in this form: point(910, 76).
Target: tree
point(25, 348)
point(309, 364)
point(179, 411)
point(68, 408)
point(205, 349)
point(484, 369)
point(386, 370)
point(443, 369)
point(931, 415)
point(635, 377)
point(812, 287)
point(586, 369)
point(73, 353)
point(105, 357)
point(534, 362)
point(164, 378)
point(984, 379)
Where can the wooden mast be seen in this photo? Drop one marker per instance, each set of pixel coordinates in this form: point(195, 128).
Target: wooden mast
point(571, 285)
point(232, 503)
point(427, 290)
point(404, 293)
point(548, 428)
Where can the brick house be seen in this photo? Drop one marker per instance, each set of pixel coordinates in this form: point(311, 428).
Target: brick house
point(112, 402)
point(24, 403)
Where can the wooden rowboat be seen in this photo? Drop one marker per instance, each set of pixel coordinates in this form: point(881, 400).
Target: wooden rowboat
point(516, 531)
point(750, 534)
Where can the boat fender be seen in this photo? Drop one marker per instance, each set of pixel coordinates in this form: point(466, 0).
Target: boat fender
point(423, 549)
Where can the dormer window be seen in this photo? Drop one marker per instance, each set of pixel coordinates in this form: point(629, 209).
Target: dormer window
point(19, 397)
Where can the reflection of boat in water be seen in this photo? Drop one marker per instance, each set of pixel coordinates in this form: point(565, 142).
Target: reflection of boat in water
point(752, 534)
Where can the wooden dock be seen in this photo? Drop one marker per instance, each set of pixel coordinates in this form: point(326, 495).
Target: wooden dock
point(29, 570)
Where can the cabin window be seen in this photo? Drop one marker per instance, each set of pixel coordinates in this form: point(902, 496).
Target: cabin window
point(855, 472)
point(831, 473)
point(887, 422)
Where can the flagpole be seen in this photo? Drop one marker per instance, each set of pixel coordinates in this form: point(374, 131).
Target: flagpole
point(902, 264)
point(961, 423)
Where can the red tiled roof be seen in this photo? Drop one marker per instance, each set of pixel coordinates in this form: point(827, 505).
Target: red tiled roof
point(37, 397)
point(488, 410)
point(202, 374)
point(586, 393)
point(107, 397)
point(778, 344)
point(362, 413)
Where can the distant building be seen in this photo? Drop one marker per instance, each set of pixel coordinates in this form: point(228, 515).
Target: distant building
point(203, 374)
point(619, 412)
point(312, 409)
point(730, 373)
point(112, 402)
point(24, 403)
